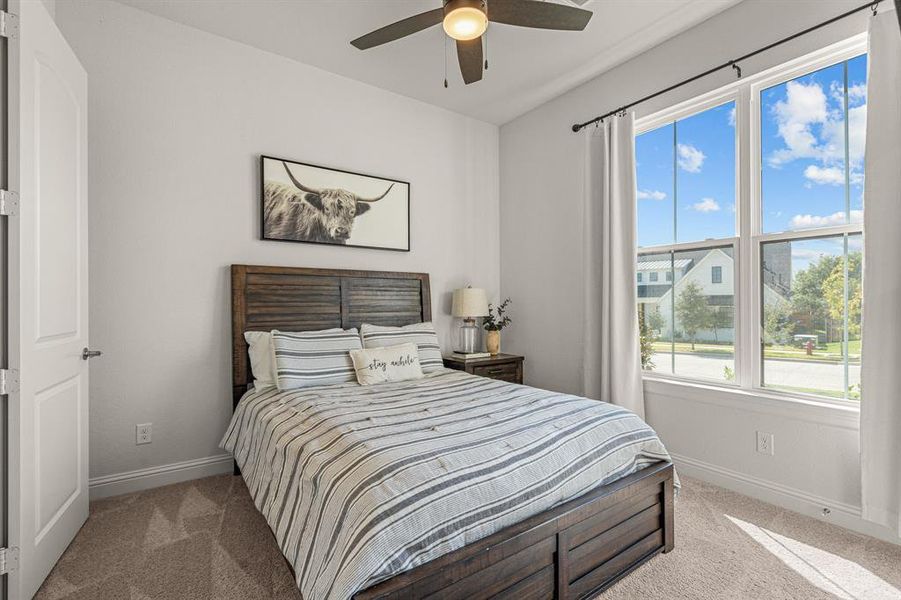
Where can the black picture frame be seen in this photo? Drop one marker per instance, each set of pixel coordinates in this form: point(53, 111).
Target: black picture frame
point(328, 172)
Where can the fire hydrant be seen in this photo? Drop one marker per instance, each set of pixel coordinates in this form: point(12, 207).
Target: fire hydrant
point(809, 347)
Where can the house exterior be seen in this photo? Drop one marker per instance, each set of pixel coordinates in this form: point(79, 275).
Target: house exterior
point(660, 283)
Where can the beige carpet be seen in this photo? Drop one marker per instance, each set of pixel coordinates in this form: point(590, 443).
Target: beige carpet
point(205, 540)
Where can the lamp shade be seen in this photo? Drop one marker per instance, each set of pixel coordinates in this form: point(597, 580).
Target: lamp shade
point(470, 302)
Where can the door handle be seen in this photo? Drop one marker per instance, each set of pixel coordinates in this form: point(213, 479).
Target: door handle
point(86, 354)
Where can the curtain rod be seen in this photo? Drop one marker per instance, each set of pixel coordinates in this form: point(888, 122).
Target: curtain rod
point(731, 64)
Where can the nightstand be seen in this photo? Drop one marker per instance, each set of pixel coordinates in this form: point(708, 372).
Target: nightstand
point(505, 367)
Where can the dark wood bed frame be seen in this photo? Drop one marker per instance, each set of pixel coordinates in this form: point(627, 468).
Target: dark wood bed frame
point(572, 551)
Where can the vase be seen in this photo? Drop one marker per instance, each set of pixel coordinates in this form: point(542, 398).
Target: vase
point(493, 342)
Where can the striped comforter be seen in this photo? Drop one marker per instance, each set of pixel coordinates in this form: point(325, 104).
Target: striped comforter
point(361, 483)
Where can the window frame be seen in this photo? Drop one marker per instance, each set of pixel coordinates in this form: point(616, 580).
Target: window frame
point(749, 239)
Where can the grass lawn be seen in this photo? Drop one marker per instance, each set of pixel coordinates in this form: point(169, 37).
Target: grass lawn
point(700, 348)
point(831, 352)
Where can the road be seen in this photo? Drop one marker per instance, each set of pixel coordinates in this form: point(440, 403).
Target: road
point(791, 373)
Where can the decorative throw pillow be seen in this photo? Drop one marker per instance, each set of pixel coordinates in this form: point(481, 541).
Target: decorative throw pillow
point(313, 358)
point(392, 363)
point(421, 334)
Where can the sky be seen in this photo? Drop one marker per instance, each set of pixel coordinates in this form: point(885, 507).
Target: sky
point(686, 169)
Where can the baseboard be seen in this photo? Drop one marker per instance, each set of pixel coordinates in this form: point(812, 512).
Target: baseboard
point(145, 479)
point(837, 513)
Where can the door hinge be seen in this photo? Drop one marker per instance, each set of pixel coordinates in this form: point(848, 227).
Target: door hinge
point(9, 381)
point(9, 203)
point(9, 560)
point(9, 25)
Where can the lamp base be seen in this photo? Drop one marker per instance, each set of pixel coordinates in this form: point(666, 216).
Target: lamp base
point(469, 337)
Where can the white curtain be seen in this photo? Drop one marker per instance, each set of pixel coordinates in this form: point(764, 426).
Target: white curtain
point(611, 363)
point(880, 427)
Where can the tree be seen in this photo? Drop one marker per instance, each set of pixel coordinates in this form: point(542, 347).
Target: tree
point(807, 296)
point(834, 292)
point(692, 310)
point(720, 319)
point(655, 321)
point(778, 323)
point(646, 338)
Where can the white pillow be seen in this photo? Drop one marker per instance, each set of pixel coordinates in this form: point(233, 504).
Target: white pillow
point(262, 357)
point(262, 364)
point(421, 334)
point(393, 363)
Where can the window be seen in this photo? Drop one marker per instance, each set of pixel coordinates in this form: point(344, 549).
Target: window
point(653, 276)
point(639, 278)
point(787, 317)
point(686, 221)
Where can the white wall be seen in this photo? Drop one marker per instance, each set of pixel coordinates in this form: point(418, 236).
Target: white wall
point(177, 121)
point(816, 460)
point(51, 7)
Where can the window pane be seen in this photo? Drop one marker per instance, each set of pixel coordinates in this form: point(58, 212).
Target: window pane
point(811, 315)
point(654, 171)
point(812, 144)
point(705, 175)
point(857, 132)
point(855, 301)
point(655, 331)
point(704, 324)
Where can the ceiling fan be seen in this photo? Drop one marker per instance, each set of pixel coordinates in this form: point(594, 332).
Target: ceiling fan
point(466, 20)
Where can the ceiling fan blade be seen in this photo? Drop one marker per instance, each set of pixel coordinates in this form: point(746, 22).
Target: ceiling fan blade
point(541, 15)
point(470, 56)
point(400, 29)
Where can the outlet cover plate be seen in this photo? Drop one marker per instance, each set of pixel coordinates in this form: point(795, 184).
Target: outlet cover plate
point(765, 443)
point(143, 433)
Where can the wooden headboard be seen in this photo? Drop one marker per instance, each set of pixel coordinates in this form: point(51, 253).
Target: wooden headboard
point(301, 299)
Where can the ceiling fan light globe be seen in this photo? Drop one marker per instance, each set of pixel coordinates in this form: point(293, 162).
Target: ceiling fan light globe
point(465, 23)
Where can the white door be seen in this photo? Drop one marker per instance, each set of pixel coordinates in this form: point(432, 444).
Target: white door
point(48, 297)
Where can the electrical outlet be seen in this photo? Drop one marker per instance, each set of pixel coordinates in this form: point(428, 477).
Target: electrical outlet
point(143, 433)
point(765, 443)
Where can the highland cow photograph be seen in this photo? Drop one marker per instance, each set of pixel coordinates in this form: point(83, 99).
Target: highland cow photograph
point(308, 203)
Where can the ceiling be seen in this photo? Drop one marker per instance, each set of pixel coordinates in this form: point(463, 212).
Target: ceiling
point(527, 67)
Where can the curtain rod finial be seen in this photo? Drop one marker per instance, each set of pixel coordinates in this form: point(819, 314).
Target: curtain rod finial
point(576, 128)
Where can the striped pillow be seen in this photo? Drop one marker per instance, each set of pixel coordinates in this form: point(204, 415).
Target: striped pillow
point(421, 334)
point(311, 358)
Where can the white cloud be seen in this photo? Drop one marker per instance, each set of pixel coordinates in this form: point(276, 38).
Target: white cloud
point(838, 218)
point(810, 130)
point(651, 195)
point(732, 116)
point(706, 205)
point(804, 106)
point(825, 175)
point(857, 94)
point(690, 158)
point(831, 175)
point(805, 253)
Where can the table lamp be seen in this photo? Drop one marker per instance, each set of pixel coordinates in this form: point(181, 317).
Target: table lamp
point(468, 304)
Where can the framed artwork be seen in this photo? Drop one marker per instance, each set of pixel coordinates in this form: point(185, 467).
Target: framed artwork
point(308, 203)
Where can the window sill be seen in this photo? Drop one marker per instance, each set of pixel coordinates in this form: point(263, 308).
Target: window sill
point(839, 414)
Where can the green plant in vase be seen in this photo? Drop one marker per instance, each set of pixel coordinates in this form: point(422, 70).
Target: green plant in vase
point(496, 320)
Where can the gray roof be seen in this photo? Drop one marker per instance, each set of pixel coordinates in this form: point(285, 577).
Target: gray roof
point(663, 265)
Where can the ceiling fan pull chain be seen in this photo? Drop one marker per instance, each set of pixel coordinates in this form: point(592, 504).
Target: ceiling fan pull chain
point(445, 62)
point(486, 49)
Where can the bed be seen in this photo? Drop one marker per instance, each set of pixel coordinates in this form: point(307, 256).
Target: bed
point(552, 520)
